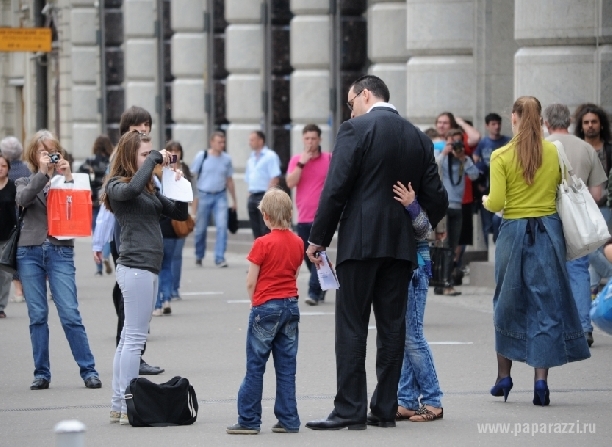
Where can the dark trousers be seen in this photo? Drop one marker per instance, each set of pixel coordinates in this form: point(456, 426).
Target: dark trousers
point(314, 287)
point(383, 285)
point(255, 217)
point(118, 300)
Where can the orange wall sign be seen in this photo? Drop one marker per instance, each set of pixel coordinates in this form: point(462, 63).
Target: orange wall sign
point(25, 39)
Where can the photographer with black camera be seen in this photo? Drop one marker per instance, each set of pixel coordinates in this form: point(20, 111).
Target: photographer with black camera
point(454, 166)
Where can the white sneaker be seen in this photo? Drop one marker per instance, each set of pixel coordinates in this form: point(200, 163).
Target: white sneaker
point(123, 420)
point(157, 313)
point(115, 416)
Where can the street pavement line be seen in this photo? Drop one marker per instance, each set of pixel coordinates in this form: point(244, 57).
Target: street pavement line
point(317, 313)
point(238, 301)
point(201, 293)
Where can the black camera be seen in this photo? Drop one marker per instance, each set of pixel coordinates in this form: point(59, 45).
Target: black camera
point(457, 146)
point(55, 158)
point(173, 158)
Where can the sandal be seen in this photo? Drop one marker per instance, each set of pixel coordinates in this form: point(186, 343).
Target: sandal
point(404, 417)
point(423, 414)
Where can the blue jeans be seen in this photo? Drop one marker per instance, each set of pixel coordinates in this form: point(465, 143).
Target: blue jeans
point(177, 266)
point(35, 264)
point(273, 327)
point(599, 267)
point(490, 224)
point(166, 280)
point(314, 286)
point(419, 376)
point(578, 272)
point(211, 204)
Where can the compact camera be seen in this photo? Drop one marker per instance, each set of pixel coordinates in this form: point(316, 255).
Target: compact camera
point(55, 158)
point(457, 147)
point(173, 158)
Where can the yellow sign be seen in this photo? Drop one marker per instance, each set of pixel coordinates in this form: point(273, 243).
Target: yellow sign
point(25, 39)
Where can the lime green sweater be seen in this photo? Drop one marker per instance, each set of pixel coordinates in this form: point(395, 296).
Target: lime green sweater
point(510, 193)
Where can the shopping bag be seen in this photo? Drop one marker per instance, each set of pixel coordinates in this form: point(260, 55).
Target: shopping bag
point(601, 309)
point(442, 267)
point(69, 212)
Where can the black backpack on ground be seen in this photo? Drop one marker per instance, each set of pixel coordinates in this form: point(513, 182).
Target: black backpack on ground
point(161, 405)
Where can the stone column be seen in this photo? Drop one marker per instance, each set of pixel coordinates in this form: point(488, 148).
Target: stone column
point(141, 83)
point(243, 61)
point(387, 48)
point(310, 59)
point(189, 69)
point(566, 51)
point(79, 72)
point(440, 71)
point(114, 53)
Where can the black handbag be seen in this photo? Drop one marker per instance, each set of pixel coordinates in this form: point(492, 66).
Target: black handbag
point(8, 255)
point(442, 267)
point(161, 405)
point(232, 220)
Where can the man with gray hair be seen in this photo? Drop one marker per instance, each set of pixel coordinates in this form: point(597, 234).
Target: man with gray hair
point(587, 167)
point(11, 149)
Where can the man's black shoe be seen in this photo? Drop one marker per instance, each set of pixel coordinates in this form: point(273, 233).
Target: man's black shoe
point(589, 337)
point(375, 421)
point(93, 382)
point(333, 422)
point(148, 370)
point(39, 384)
point(199, 262)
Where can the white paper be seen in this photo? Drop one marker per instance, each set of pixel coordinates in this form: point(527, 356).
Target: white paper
point(327, 276)
point(176, 189)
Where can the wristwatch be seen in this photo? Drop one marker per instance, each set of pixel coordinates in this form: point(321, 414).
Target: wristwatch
point(300, 165)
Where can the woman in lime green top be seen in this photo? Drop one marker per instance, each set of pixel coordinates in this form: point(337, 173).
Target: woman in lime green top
point(535, 316)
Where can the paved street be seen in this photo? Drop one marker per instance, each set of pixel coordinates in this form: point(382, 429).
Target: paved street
point(204, 340)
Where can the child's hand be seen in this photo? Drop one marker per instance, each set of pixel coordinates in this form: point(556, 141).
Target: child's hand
point(404, 195)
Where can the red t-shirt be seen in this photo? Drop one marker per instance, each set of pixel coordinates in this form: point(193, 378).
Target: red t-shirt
point(279, 255)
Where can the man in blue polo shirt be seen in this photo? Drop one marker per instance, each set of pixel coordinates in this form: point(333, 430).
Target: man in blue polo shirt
point(214, 171)
point(262, 172)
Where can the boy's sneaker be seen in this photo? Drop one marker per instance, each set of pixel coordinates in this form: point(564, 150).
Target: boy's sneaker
point(124, 420)
point(311, 301)
point(157, 313)
point(278, 428)
point(115, 416)
point(238, 429)
point(222, 264)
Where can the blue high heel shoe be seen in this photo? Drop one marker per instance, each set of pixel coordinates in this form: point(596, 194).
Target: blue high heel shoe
point(502, 388)
point(541, 393)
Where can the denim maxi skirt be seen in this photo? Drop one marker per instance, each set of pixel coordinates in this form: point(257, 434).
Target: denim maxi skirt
point(535, 315)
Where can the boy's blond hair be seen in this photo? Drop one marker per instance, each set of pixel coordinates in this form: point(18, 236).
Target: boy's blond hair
point(277, 205)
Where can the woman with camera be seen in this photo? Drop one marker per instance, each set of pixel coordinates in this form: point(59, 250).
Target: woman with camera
point(535, 316)
point(131, 195)
point(41, 257)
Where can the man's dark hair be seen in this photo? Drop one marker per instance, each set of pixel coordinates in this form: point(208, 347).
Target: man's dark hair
point(604, 121)
point(374, 84)
point(493, 117)
point(311, 128)
point(103, 146)
point(261, 135)
point(133, 117)
point(451, 118)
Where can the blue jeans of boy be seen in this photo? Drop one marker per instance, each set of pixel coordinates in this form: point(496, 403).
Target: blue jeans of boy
point(273, 328)
point(166, 279)
point(419, 376)
point(177, 267)
point(578, 272)
point(211, 204)
point(35, 264)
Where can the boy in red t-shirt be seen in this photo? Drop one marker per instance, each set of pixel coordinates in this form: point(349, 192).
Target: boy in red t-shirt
point(275, 261)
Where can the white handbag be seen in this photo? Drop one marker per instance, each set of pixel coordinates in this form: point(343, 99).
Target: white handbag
point(584, 227)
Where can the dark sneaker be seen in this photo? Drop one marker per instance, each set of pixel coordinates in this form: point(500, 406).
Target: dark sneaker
point(39, 384)
point(278, 428)
point(221, 264)
point(148, 370)
point(589, 337)
point(93, 382)
point(199, 262)
point(238, 429)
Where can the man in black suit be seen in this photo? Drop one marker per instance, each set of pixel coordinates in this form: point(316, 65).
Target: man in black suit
point(376, 246)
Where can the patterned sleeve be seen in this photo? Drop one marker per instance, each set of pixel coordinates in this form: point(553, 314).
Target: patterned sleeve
point(420, 221)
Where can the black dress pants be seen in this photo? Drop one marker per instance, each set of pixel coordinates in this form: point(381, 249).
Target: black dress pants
point(255, 217)
point(382, 284)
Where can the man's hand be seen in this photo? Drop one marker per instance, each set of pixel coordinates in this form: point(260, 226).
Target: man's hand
point(306, 156)
point(98, 257)
point(313, 254)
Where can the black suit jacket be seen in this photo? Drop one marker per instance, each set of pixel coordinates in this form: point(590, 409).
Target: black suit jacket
point(372, 153)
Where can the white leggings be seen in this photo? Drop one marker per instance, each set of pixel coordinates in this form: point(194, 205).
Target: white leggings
point(139, 289)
